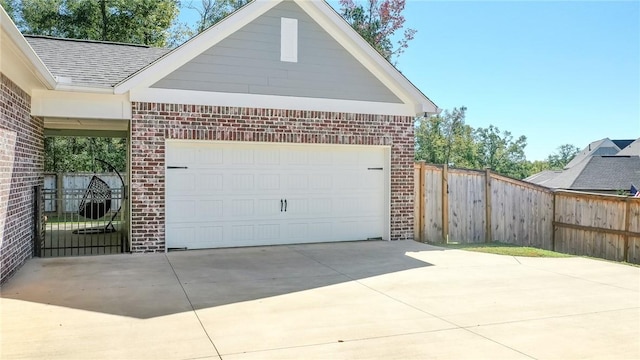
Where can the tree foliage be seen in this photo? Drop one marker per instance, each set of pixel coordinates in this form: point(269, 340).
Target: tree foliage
point(128, 21)
point(446, 139)
point(214, 11)
point(561, 157)
point(72, 154)
point(377, 21)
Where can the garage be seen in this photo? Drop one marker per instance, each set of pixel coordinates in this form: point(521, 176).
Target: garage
point(231, 194)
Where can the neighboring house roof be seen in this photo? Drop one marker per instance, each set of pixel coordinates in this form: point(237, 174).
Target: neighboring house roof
point(609, 173)
point(92, 63)
point(631, 149)
point(600, 147)
point(622, 144)
point(596, 173)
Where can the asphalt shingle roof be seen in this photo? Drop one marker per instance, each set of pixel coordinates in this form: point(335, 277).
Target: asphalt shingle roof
point(609, 173)
point(631, 149)
point(596, 173)
point(92, 63)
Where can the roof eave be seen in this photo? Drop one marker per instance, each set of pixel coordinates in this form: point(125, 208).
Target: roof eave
point(39, 68)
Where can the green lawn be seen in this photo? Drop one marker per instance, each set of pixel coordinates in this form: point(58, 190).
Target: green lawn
point(504, 249)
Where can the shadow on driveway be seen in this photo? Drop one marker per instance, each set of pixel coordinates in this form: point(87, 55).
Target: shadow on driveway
point(147, 286)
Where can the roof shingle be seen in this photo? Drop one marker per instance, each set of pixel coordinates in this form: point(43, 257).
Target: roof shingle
point(93, 63)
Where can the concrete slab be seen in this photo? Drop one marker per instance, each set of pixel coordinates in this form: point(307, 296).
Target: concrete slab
point(341, 312)
point(447, 344)
point(601, 335)
point(39, 331)
point(342, 300)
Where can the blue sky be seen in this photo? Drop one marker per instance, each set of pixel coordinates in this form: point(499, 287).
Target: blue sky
point(558, 72)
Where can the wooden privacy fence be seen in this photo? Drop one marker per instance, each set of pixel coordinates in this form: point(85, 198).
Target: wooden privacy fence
point(471, 206)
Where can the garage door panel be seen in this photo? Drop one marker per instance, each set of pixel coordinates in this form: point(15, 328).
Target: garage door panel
point(242, 156)
point(268, 157)
point(242, 207)
point(320, 182)
point(181, 211)
point(268, 182)
point(230, 194)
point(268, 207)
point(242, 182)
point(209, 182)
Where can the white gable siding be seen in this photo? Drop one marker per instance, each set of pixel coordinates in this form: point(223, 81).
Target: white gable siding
point(249, 61)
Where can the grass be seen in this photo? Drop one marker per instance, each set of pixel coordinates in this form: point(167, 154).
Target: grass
point(505, 249)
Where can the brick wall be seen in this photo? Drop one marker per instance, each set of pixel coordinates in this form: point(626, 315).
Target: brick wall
point(21, 168)
point(153, 123)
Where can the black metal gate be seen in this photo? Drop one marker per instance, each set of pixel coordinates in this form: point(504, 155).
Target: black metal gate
point(76, 224)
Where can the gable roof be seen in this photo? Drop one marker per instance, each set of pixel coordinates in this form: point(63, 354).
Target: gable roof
point(322, 13)
point(599, 147)
point(596, 173)
point(622, 144)
point(92, 63)
point(609, 173)
point(631, 149)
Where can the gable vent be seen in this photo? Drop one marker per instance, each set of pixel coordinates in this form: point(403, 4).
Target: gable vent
point(288, 40)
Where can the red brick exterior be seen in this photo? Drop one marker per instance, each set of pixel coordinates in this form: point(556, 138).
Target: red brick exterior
point(153, 123)
point(21, 168)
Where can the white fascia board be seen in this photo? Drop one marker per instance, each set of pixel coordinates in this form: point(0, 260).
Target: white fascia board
point(196, 46)
point(83, 89)
point(171, 96)
point(66, 104)
point(367, 55)
point(39, 69)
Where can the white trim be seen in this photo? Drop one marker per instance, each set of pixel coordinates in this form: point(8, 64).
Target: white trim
point(157, 70)
point(40, 70)
point(83, 89)
point(191, 97)
point(289, 40)
point(66, 104)
point(388, 194)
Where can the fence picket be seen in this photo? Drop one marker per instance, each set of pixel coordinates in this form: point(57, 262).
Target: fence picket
point(484, 206)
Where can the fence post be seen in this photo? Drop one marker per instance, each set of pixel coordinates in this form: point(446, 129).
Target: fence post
point(627, 225)
point(553, 220)
point(59, 203)
point(445, 204)
point(422, 199)
point(37, 220)
point(487, 205)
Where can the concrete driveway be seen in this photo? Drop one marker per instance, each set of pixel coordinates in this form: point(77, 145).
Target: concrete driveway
point(380, 300)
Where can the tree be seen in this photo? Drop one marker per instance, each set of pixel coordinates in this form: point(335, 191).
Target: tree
point(377, 21)
point(562, 156)
point(128, 21)
point(501, 153)
point(70, 154)
point(446, 139)
point(213, 11)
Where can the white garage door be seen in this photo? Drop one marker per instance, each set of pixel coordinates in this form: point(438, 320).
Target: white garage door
point(221, 194)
